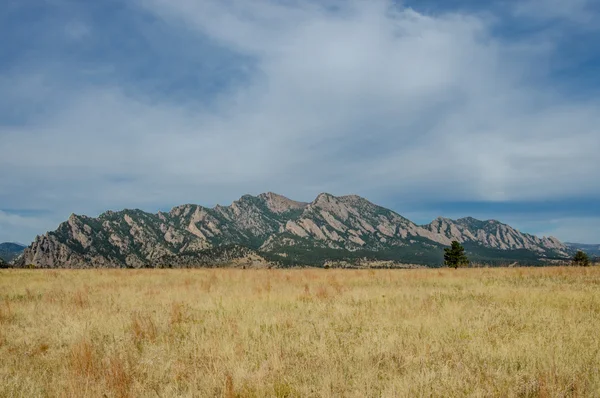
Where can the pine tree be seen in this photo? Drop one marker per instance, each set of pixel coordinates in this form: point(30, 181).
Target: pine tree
point(454, 256)
point(581, 259)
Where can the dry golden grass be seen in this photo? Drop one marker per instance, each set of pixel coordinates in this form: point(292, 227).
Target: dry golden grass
point(284, 333)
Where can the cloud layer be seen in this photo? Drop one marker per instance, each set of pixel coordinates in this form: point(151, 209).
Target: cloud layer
point(374, 98)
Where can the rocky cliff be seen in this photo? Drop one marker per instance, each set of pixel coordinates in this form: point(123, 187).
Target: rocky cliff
point(272, 228)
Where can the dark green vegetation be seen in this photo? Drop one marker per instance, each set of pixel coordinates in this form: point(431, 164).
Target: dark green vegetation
point(581, 259)
point(454, 256)
point(9, 251)
point(271, 228)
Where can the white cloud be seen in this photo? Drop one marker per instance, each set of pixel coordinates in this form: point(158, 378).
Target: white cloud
point(439, 96)
point(371, 99)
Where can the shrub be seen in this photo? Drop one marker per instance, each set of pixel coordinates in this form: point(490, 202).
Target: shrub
point(581, 259)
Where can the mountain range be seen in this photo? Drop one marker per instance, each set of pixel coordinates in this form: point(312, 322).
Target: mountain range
point(592, 250)
point(271, 228)
point(10, 250)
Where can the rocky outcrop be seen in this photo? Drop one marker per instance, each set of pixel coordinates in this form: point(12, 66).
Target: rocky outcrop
point(280, 204)
point(266, 227)
point(491, 234)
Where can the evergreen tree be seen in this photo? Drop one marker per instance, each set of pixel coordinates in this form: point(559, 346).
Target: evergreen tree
point(454, 256)
point(581, 259)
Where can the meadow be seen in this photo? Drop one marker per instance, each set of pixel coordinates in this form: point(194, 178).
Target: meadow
point(511, 332)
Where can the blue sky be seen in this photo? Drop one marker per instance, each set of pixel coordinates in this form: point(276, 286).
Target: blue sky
point(453, 108)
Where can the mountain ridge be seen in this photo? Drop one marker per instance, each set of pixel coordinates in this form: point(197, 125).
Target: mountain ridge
point(591, 249)
point(10, 250)
point(273, 228)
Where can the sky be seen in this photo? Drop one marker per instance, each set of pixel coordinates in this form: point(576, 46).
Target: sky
point(428, 107)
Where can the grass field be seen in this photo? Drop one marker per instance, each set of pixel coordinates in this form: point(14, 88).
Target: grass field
point(516, 332)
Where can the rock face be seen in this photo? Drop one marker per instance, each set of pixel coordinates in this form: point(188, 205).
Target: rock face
point(270, 227)
point(492, 234)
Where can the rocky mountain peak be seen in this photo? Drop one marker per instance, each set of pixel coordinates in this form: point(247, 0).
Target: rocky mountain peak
point(73, 218)
point(358, 201)
point(181, 210)
point(280, 204)
point(352, 198)
point(324, 197)
point(247, 198)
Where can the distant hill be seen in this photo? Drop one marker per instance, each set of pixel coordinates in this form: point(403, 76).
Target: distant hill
point(273, 228)
point(9, 250)
point(592, 250)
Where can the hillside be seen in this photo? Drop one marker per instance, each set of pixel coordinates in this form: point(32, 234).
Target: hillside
point(9, 251)
point(592, 250)
point(270, 227)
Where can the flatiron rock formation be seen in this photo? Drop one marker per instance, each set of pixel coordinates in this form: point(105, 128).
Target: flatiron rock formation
point(272, 229)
